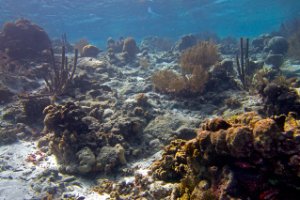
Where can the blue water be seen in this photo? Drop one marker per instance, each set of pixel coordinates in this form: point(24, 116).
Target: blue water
point(97, 20)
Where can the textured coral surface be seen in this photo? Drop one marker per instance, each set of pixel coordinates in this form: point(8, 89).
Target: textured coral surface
point(245, 157)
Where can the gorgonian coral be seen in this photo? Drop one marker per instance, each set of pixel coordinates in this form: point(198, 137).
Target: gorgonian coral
point(204, 54)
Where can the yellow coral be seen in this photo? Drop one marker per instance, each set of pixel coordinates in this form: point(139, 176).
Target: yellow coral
point(291, 123)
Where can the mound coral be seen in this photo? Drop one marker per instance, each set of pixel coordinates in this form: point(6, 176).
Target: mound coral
point(23, 40)
point(130, 49)
point(185, 42)
point(90, 51)
point(246, 157)
point(279, 97)
point(77, 148)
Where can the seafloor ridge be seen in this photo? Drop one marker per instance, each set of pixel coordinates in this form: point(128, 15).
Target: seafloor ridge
point(202, 118)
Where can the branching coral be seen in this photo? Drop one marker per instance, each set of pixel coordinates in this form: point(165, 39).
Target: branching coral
point(168, 81)
point(195, 62)
point(196, 82)
point(60, 76)
point(245, 67)
point(204, 54)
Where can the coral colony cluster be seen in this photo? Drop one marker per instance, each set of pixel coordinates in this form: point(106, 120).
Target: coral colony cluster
point(196, 119)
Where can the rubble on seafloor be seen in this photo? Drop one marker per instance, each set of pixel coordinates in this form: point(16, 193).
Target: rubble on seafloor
point(104, 137)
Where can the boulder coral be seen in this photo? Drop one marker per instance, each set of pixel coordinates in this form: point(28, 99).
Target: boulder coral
point(23, 40)
point(90, 51)
point(279, 97)
point(130, 49)
point(78, 149)
point(246, 157)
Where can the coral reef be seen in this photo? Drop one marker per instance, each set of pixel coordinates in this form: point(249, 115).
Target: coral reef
point(57, 43)
point(294, 45)
point(130, 49)
point(5, 94)
point(23, 40)
point(228, 45)
point(80, 44)
point(260, 43)
point(90, 51)
point(115, 46)
point(246, 68)
point(78, 147)
point(168, 81)
point(59, 77)
point(33, 109)
point(244, 157)
point(278, 96)
point(277, 45)
point(276, 60)
point(185, 42)
point(106, 125)
point(154, 44)
point(195, 63)
point(7, 136)
point(68, 135)
point(204, 54)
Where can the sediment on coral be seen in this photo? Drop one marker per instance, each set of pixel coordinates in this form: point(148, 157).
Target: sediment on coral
point(242, 157)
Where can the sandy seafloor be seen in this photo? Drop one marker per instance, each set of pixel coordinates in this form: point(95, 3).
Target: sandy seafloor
point(17, 175)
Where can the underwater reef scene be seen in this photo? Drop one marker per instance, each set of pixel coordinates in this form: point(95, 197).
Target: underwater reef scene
point(123, 107)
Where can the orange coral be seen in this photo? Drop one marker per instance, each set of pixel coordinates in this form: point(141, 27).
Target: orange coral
point(233, 160)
